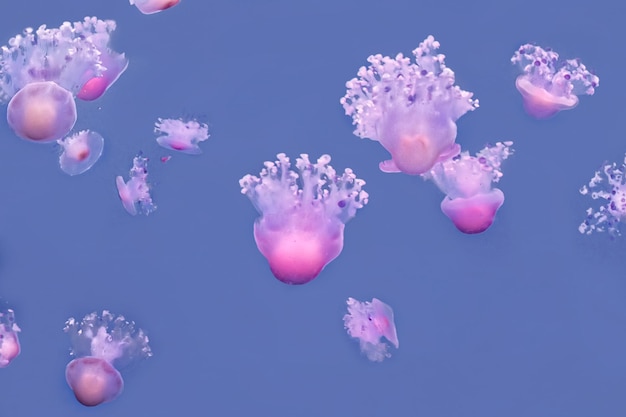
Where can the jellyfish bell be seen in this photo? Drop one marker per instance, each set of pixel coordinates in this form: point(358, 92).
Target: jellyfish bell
point(9, 341)
point(474, 214)
point(541, 104)
point(80, 151)
point(153, 6)
point(93, 380)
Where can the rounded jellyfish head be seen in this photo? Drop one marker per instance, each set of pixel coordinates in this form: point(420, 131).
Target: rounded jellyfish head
point(93, 89)
point(93, 380)
point(474, 214)
point(540, 103)
point(42, 112)
point(414, 154)
point(297, 260)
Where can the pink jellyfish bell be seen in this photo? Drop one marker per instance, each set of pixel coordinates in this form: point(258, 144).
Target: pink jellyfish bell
point(9, 342)
point(135, 193)
point(181, 136)
point(80, 151)
point(153, 6)
point(303, 214)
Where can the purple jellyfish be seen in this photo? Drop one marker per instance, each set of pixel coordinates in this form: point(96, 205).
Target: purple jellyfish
point(80, 151)
point(135, 194)
point(153, 6)
point(370, 322)
point(303, 214)
point(9, 342)
point(101, 345)
point(411, 109)
point(548, 86)
point(471, 202)
point(181, 136)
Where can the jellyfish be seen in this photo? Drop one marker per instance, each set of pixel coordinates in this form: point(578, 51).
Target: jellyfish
point(102, 345)
point(9, 342)
point(548, 86)
point(42, 70)
point(80, 151)
point(135, 194)
point(608, 185)
point(471, 202)
point(411, 109)
point(370, 322)
point(181, 136)
point(303, 214)
point(153, 6)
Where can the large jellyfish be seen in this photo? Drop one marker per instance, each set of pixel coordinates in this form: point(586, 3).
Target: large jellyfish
point(370, 322)
point(411, 109)
point(471, 202)
point(153, 6)
point(607, 184)
point(102, 345)
point(548, 86)
point(9, 342)
point(80, 151)
point(181, 136)
point(135, 194)
point(303, 214)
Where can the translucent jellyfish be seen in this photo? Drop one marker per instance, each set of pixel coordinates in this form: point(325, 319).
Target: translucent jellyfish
point(181, 136)
point(471, 202)
point(102, 345)
point(9, 342)
point(303, 214)
point(411, 109)
point(135, 194)
point(370, 322)
point(547, 85)
point(153, 6)
point(80, 151)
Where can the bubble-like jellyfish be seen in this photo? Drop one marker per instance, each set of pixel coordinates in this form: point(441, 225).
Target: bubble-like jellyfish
point(80, 151)
point(471, 202)
point(153, 6)
point(102, 345)
point(411, 109)
point(303, 214)
point(370, 322)
point(9, 342)
point(135, 194)
point(547, 85)
point(181, 136)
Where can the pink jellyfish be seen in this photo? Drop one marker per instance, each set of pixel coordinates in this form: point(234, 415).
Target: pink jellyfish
point(181, 136)
point(471, 202)
point(9, 343)
point(153, 6)
point(303, 214)
point(548, 86)
point(101, 345)
point(80, 151)
point(370, 322)
point(411, 109)
point(135, 194)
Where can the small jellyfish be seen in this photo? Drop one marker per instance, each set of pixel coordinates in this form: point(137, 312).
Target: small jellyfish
point(548, 86)
point(9, 343)
point(102, 345)
point(153, 6)
point(181, 136)
point(303, 214)
point(370, 322)
point(471, 202)
point(80, 151)
point(135, 194)
point(608, 184)
point(411, 109)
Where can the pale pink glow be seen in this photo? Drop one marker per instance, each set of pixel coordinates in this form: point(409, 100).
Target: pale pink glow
point(471, 202)
point(369, 322)
point(411, 109)
point(102, 345)
point(9, 342)
point(80, 151)
point(153, 6)
point(548, 86)
point(181, 136)
point(135, 193)
point(303, 214)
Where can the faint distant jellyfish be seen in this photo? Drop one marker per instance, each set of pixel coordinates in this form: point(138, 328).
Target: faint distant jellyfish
point(80, 151)
point(153, 6)
point(471, 202)
point(303, 214)
point(102, 345)
point(370, 322)
point(181, 136)
point(411, 109)
point(547, 85)
point(9, 342)
point(135, 194)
